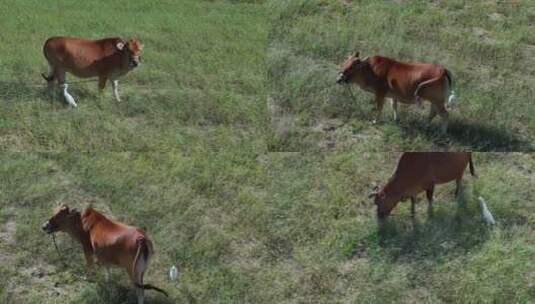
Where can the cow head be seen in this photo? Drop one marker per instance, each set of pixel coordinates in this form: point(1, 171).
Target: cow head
point(385, 203)
point(131, 52)
point(62, 220)
point(350, 68)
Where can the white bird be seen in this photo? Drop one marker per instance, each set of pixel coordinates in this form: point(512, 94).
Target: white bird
point(485, 212)
point(68, 96)
point(173, 273)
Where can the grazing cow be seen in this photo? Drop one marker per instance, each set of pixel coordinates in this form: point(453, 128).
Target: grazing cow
point(107, 58)
point(404, 82)
point(417, 172)
point(112, 242)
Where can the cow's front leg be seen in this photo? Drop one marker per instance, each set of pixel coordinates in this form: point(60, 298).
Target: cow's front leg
point(101, 84)
point(395, 108)
point(379, 102)
point(115, 85)
point(413, 205)
point(89, 264)
point(459, 188)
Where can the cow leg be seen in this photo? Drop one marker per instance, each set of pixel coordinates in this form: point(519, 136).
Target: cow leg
point(115, 85)
point(413, 206)
point(136, 274)
point(444, 115)
point(102, 84)
point(50, 77)
point(432, 112)
point(61, 75)
point(459, 189)
point(429, 194)
point(88, 254)
point(140, 295)
point(140, 291)
point(136, 279)
point(379, 102)
point(395, 108)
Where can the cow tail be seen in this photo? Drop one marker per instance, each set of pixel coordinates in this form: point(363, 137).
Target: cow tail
point(471, 163)
point(452, 98)
point(149, 286)
point(143, 252)
point(50, 76)
point(47, 78)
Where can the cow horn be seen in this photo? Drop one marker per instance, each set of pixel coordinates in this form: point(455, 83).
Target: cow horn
point(374, 192)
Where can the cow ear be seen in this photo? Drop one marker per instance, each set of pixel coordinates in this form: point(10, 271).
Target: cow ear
point(120, 46)
point(73, 212)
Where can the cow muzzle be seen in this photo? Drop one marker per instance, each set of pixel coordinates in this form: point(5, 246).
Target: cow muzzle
point(341, 79)
point(48, 228)
point(134, 63)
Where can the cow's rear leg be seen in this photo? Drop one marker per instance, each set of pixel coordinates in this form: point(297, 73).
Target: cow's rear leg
point(429, 194)
point(136, 274)
point(64, 86)
point(137, 279)
point(444, 115)
point(413, 206)
point(50, 77)
point(432, 113)
point(140, 291)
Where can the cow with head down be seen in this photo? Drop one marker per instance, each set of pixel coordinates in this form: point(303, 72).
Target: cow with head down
point(107, 59)
point(111, 242)
point(406, 82)
point(417, 172)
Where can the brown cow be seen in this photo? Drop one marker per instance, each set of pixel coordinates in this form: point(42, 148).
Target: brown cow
point(404, 82)
point(107, 58)
point(112, 242)
point(421, 171)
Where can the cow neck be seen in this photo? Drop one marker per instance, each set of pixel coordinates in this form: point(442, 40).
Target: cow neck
point(77, 231)
point(390, 189)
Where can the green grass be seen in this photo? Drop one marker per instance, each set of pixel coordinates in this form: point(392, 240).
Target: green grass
point(270, 228)
point(201, 81)
point(488, 47)
point(185, 155)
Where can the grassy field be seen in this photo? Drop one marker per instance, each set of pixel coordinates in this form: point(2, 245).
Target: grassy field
point(200, 84)
point(270, 228)
point(489, 46)
point(186, 155)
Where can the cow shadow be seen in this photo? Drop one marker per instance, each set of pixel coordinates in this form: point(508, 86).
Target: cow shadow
point(473, 135)
point(23, 91)
point(447, 232)
point(119, 290)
